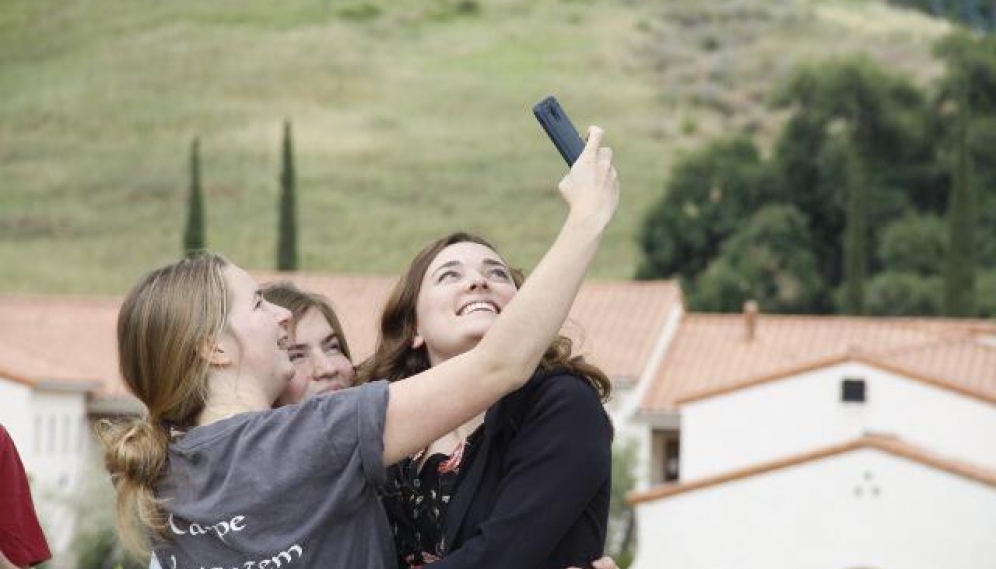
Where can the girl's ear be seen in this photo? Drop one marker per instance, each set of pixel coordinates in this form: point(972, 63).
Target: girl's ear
point(216, 354)
point(417, 342)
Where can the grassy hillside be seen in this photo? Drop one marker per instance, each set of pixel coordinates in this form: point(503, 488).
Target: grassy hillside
point(411, 118)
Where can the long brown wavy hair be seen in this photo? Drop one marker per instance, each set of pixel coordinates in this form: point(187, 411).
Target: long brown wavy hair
point(395, 359)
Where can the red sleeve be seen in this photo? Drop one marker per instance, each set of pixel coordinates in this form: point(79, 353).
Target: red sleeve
point(21, 537)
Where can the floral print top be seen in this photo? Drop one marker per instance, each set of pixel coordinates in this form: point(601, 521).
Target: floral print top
point(416, 500)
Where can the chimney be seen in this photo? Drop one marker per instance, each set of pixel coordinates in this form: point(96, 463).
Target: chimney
point(750, 319)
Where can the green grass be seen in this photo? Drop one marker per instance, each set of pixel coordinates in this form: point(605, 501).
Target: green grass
point(411, 119)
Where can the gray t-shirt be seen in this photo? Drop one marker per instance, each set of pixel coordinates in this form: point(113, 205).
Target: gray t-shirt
point(290, 488)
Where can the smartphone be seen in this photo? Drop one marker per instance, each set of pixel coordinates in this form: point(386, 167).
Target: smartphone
point(559, 128)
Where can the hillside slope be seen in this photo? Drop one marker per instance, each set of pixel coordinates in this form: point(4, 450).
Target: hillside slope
point(411, 119)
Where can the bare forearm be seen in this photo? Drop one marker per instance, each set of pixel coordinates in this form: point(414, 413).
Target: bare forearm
point(515, 343)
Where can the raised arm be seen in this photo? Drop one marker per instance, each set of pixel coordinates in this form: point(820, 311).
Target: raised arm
point(424, 407)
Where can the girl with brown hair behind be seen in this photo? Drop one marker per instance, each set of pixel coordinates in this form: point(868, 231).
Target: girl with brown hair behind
point(219, 479)
point(318, 349)
point(527, 484)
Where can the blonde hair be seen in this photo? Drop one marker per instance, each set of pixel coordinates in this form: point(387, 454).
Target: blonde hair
point(165, 323)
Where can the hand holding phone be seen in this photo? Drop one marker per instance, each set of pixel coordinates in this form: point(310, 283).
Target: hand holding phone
point(559, 128)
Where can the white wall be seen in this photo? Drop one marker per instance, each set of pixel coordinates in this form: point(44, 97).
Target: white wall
point(15, 412)
point(626, 432)
point(637, 429)
point(57, 454)
point(52, 436)
point(804, 413)
point(60, 438)
point(865, 508)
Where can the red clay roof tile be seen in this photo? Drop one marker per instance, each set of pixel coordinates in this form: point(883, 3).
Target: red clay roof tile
point(72, 339)
point(712, 353)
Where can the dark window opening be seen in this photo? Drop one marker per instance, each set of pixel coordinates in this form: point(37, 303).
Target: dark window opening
point(853, 391)
point(672, 455)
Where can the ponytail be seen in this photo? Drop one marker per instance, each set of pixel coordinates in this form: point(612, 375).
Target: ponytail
point(135, 456)
point(164, 323)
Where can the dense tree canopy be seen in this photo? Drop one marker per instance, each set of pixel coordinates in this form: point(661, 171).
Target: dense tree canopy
point(769, 259)
point(710, 193)
point(852, 211)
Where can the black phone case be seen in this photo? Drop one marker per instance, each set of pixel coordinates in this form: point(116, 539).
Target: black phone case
point(559, 128)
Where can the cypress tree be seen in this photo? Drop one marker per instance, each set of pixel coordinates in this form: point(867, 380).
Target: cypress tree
point(193, 234)
point(855, 231)
point(842, 176)
point(287, 231)
point(959, 273)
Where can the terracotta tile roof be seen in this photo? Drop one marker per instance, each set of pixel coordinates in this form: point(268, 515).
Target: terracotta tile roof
point(886, 444)
point(711, 353)
point(59, 339)
point(72, 339)
point(616, 324)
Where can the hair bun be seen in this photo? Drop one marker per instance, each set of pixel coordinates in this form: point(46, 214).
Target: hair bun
point(134, 450)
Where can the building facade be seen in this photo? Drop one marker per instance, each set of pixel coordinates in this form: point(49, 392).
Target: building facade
point(820, 442)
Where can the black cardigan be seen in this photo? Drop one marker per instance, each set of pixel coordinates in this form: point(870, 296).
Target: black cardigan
point(536, 494)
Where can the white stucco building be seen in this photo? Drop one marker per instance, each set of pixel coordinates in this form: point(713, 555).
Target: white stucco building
point(827, 442)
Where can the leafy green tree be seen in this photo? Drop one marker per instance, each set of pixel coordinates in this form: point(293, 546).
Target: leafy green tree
point(984, 189)
point(959, 271)
point(769, 260)
point(970, 71)
point(287, 232)
point(970, 82)
point(838, 165)
point(967, 104)
point(885, 121)
point(904, 294)
point(915, 244)
point(912, 252)
point(985, 294)
point(871, 164)
point(193, 233)
point(708, 196)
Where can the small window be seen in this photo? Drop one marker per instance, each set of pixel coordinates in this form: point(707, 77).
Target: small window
point(853, 391)
point(672, 460)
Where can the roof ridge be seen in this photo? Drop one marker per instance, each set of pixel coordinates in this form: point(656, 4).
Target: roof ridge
point(844, 356)
point(971, 337)
point(879, 441)
point(970, 324)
